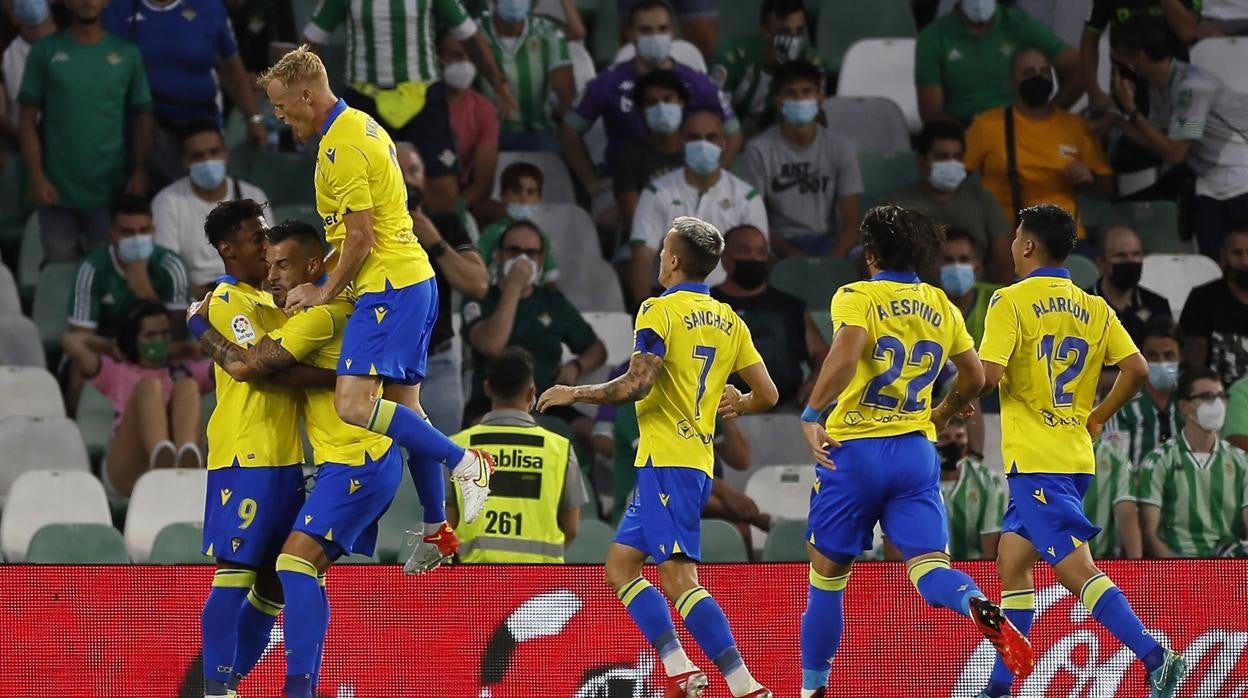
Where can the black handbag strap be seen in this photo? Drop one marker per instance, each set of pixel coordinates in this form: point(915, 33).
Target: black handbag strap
point(1011, 165)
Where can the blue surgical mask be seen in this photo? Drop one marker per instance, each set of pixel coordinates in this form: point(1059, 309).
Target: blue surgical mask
point(1163, 375)
point(957, 278)
point(947, 175)
point(521, 212)
point(513, 10)
point(31, 12)
point(799, 111)
point(979, 11)
point(653, 48)
point(664, 117)
point(208, 174)
point(135, 247)
point(702, 156)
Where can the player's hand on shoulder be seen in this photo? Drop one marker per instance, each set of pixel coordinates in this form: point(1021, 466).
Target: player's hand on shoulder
point(555, 396)
point(303, 296)
point(199, 307)
point(731, 403)
point(819, 442)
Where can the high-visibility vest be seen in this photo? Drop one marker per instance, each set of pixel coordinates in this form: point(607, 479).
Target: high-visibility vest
point(520, 521)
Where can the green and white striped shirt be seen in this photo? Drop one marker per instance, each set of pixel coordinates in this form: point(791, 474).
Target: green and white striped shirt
point(1201, 496)
point(1111, 485)
point(975, 503)
point(527, 61)
point(1144, 426)
point(390, 41)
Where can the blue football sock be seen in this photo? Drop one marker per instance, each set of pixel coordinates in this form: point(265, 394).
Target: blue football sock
point(709, 627)
point(414, 433)
point(320, 659)
point(1020, 607)
point(219, 626)
point(306, 620)
point(942, 586)
point(649, 611)
point(822, 625)
point(428, 476)
point(255, 624)
point(1110, 608)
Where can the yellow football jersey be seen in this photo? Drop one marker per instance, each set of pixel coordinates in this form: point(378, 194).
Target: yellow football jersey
point(357, 169)
point(701, 342)
point(254, 424)
point(1053, 340)
point(912, 330)
point(314, 336)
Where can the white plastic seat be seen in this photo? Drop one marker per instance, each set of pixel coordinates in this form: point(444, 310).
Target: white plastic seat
point(39, 443)
point(1175, 275)
point(780, 490)
point(160, 498)
point(19, 342)
point(993, 460)
point(776, 439)
point(682, 52)
point(557, 184)
point(1226, 57)
point(10, 301)
point(582, 65)
point(42, 497)
point(615, 329)
point(29, 392)
point(872, 124)
point(882, 68)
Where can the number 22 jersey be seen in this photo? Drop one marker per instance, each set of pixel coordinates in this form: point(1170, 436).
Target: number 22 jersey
point(1053, 340)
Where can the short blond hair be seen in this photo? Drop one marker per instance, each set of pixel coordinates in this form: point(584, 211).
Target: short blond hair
point(298, 67)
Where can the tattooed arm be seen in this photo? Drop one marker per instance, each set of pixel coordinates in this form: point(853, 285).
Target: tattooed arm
point(643, 371)
point(246, 363)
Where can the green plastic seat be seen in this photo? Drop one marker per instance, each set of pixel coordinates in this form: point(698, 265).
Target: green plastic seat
point(813, 279)
point(722, 542)
point(77, 544)
point(741, 22)
point(823, 320)
point(1157, 223)
point(286, 178)
point(604, 37)
point(303, 213)
point(404, 515)
point(51, 307)
point(12, 207)
point(593, 538)
point(884, 174)
point(842, 23)
point(179, 544)
point(786, 542)
point(95, 421)
point(1083, 272)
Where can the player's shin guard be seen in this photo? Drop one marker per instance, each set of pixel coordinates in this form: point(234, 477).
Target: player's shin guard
point(307, 618)
point(255, 624)
point(709, 627)
point(942, 586)
point(1020, 607)
point(219, 626)
point(1109, 607)
point(414, 433)
point(430, 479)
point(649, 611)
point(822, 625)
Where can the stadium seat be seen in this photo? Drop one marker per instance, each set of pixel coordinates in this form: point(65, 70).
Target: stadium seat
point(11, 202)
point(583, 69)
point(95, 421)
point(841, 24)
point(404, 515)
point(10, 299)
point(1157, 222)
point(783, 491)
point(287, 178)
point(593, 538)
point(615, 329)
point(51, 309)
point(1174, 276)
point(179, 543)
point(1226, 57)
point(776, 438)
point(604, 36)
point(162, 497)
point(334, 56)
point(740, 21)
point(299, 212)
point(557, 185)
point(813, 279)
point(77, 544)
point(823, 320)
point(29, 258)
point(872, 124)
point(38, 443)
point(573, 237)
point(884, 174)
point(19, 342)
point(682, 52)
point(42, 497)
point(722, 542)
point(1083, 271)
point(992, 442)
point(590, 284)
point(882, 68)
point(29, 392)
point(787, 542)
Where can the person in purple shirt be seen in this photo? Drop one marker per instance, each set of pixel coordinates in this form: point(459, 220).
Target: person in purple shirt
point(610, 96)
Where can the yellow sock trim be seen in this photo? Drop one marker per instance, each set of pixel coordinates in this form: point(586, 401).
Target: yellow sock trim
point(262, 604)
point(629, 591)
point(1020, 600)
point(322, 579)
point(383, 413)
point(689, 599)
point(233, 579)
point(1094, 589)
point(823, 583)
point(919, 569)
point(294, 563)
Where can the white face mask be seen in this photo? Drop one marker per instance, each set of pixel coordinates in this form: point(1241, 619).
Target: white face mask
point(979, 11)
point(459, 75)
point(1211, 415)
point(509, 264)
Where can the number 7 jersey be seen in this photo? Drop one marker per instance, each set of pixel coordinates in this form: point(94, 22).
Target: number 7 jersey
point(912, 329)
point(1053, 340)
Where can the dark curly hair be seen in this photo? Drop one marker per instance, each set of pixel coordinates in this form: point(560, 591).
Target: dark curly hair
point(902, 239)
point(1052, 227)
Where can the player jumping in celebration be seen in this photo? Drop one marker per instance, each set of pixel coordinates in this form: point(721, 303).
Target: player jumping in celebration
point(685, 346)
point(255, 458)
point(1045, 342)
point(876, 458)
point(358, 472)
point(362, 199)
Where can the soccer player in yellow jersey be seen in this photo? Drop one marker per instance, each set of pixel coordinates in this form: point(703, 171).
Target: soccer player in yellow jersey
point(362, 201)
point(685, 346)
point(255, 456)
point(875, 457)
point(358, 472)
point(1045, 341)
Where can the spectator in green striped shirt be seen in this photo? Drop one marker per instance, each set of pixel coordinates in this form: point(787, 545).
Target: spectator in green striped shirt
point(974, 497)
point(1193, 493)
point(1110, 502)
point(533, 54)
point(1150, 419)
point(1236, 429)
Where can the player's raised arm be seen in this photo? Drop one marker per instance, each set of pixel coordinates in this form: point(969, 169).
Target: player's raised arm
point(635, 384)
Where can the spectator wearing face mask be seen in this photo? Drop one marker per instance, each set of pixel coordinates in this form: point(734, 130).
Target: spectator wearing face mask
point(946, 195)
point(520, 188)
point(662, 98)
point(974, 497)
point(960, 272)
point(475, 123)
point(1236, 429)
point(1215, 315)
point(1193, 492)
point(782, 329)
point(1121, 261)
point(1150, 419)
point(808, 174)
point(744, 68)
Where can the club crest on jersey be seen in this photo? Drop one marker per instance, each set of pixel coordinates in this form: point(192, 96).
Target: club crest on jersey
point(243, 331)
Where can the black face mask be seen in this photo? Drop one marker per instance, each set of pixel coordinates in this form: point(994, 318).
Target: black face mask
point(415, 197)
point(1125, 275)
point(750, 273)
point(1238, 276)
point(1035, 90)
point(950, 454)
